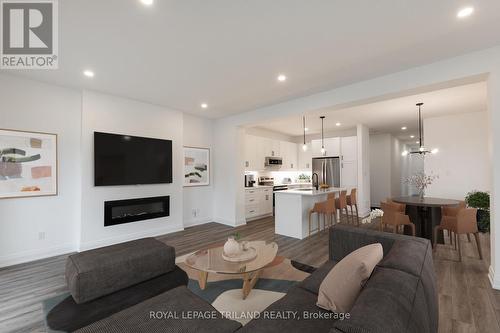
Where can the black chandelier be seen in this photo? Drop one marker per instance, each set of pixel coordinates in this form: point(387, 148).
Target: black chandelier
point(421, 149)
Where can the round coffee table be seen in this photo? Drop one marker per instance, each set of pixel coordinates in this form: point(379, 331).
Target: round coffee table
point(209, 260)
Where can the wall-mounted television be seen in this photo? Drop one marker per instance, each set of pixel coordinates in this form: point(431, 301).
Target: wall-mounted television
point(131, 160)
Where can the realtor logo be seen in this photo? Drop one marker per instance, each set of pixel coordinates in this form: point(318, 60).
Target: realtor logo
point(29, 34)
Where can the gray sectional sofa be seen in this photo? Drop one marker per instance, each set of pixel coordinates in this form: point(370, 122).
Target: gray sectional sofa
point(400, 296)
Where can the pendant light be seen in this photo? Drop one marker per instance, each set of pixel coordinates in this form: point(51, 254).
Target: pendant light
point(304, 146)
point(421, 149)
point(323, 151)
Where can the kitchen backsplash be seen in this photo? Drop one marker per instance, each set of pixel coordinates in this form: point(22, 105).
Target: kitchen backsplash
point(279, 176)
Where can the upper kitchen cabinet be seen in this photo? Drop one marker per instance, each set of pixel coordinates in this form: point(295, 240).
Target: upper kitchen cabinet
point(288, 152)
point(269, 147)
point(305, 157)
point(251, 154)
point(349, 148)
point(332, 147)
point(349, 162)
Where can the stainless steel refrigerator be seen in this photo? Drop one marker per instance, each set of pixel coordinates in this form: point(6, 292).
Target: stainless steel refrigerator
point(328, 170)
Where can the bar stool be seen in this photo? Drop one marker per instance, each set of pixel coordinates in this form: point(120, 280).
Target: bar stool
point(330, 211)
point(394, 217)
point(352, 201)
point(319, 209)
point(341, 204)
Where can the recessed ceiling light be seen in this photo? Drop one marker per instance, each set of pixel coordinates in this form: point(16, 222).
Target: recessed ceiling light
point(465, 12)
point(281, 78)
point(338, 124)
point(412, 136)
point(204, 105)
point(306, 129)
point(404, 128)
point(88, 73)
point(147, 2)
point(417, 142)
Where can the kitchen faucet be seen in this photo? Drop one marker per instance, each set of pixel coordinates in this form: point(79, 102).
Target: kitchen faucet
point(316, 185)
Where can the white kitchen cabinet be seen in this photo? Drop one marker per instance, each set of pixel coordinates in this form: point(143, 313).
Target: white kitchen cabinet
point(258, 202)
point(251, 153)
point(305, 157)
point(349, 162)
point(349, 148)
point(332, 147)
point(288, 152)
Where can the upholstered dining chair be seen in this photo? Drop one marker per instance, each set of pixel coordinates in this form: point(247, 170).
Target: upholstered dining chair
point(395, 217)
point(452, 212)
point(352, 201)
point(459, 221)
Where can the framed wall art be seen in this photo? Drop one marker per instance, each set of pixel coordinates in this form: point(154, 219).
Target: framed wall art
point(28, 164)
point(196, 166)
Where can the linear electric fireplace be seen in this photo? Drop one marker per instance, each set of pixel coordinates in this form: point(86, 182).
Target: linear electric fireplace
point(132, 210)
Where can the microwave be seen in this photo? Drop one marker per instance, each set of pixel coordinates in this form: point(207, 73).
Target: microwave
point(274, 162)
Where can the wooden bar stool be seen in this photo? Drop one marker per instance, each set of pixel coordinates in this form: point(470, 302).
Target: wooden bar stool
point(394, 217)
point(352, 201)
point(318, 209)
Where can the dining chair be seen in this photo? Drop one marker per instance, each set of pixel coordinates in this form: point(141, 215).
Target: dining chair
point(452, 211)
point(459, 221)
point(352, 201)
point(395, 217)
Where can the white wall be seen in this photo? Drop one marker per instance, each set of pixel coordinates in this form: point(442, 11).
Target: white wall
point(380, 168)
point(463, 160)
point(104, 113)
point(32, 106)
point(396, 161)
point(198, 201)
point(363, 142)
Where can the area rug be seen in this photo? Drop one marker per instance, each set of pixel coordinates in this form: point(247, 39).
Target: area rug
point(224, 292)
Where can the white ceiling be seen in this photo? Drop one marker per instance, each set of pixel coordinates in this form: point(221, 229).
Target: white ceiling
point(390, 115)
point(228, 53)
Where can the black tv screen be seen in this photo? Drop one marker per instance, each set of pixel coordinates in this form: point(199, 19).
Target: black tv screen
point(131, 160)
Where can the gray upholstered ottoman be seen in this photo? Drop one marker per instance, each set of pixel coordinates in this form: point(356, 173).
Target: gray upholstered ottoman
point(95, 273)
point(110, 279)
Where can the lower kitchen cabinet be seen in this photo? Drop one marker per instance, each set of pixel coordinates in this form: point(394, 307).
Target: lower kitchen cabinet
point(258, 202)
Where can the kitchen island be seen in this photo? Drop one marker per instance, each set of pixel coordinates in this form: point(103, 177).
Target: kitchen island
point(292, 210)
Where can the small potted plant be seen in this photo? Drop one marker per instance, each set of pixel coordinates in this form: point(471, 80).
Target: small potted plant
point(481, 201)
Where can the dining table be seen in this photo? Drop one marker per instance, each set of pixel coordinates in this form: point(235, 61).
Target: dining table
point(425, 213)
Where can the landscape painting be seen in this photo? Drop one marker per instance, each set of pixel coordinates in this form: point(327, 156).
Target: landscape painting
point(28, 164)
point(196, 166)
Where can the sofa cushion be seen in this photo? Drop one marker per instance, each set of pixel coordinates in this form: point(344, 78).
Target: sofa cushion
point(342, 285)
point(407, 256)
point(313, 281)
point(95, 273)
point(172, 311)
point(69, 316)
point(385, 303)
point(297, 302)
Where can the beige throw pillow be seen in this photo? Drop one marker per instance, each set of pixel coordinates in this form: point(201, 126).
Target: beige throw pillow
point(342, 285)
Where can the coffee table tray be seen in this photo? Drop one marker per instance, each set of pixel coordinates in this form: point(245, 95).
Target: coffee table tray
point(246, 255)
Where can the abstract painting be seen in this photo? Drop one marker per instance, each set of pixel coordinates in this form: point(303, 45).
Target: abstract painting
point(196, 166)
point(28, 164)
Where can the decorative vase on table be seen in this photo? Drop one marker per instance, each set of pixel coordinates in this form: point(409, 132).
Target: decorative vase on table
point(232, 248)
point(421, 194)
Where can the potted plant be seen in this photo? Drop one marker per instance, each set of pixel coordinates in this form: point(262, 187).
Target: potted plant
point(481, 201)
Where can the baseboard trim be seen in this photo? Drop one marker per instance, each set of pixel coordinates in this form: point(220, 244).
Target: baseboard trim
point(495, 284)
point(128, 237)
point(32, 255)
point(197, 222)
point(229, 223)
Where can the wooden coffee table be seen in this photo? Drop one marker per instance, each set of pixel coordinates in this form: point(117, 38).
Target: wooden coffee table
point(209, 260)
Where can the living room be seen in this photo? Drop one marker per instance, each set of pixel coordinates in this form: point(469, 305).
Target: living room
point(197, 78)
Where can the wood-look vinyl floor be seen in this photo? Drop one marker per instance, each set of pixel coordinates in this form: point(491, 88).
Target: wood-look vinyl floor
point(467, 303)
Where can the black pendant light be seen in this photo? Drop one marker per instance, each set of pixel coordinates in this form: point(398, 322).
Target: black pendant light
point(421, 147)
point(323, 151)
point(304, 146)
